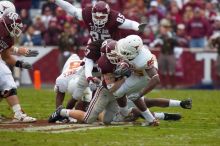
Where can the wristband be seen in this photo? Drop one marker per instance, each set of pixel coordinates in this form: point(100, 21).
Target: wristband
point(15, 49)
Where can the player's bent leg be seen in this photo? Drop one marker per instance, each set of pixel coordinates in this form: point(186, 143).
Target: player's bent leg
point(150, 119)
point(9, 92)
point(60, 88)
point(97, 105)
point(110, 111)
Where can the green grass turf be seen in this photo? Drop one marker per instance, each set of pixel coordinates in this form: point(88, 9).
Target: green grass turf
point(199, 126)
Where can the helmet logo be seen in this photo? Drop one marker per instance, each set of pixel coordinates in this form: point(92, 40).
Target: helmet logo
point(136, 47)
point(4, 8)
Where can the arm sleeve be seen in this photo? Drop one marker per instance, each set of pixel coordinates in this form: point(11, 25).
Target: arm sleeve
point(88, 67)
point(130, 24)
point(69, 8)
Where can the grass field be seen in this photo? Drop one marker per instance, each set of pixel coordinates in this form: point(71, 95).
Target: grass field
point(199, 126)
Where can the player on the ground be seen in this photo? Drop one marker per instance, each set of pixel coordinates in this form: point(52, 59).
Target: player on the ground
point(11, 25)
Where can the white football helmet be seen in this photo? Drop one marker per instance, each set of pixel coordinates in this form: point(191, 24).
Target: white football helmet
point(129, 47)
point(6, 7)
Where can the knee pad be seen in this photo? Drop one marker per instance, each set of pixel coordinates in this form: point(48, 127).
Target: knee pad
point(8, 93)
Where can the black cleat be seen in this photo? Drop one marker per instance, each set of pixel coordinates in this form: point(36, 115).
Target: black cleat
point(56, 115)
point(187, 103)
point(173, 117)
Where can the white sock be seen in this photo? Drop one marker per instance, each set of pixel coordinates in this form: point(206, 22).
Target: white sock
point(148, 116)
point(65, 112)
point(174, 103)
point(159, 116)
point(16, 109)
point(124, 110)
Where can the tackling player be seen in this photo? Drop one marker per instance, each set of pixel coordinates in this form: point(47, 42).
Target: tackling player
point(144, 77)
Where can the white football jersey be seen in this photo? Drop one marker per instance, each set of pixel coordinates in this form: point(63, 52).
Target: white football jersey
point(72, 65)
point(144, 60)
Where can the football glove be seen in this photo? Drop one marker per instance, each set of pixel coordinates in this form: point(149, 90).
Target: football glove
point(142, 27)
point(122, 69)
point(31, 53)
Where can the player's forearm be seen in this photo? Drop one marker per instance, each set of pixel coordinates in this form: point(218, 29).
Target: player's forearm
point(154, 81)
point(19, 51)
point(130, 24)
point(8, 58)
point(88, 67)
point(69, 8)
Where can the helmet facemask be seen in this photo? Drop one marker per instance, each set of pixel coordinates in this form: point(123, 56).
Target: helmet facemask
point(99, 19)
point(113, 57)
point(100, 14)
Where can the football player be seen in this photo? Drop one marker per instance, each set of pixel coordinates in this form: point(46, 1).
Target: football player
point(11, 25)
point(144, 77)
point(67, 80)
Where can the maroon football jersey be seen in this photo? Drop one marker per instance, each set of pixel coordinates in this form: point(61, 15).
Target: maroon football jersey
point(93, 50)
point(6, 41)
point(109, 30)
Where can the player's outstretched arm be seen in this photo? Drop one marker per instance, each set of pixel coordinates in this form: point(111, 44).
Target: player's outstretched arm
point(25, 51)
point(130, 24)
point(69, 8)
point(10, 60)
point(133, 25)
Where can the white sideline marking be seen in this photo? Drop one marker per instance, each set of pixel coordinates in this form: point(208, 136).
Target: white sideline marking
point(62, 128)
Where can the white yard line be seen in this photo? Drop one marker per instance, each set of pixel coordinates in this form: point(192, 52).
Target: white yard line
point(62, 128)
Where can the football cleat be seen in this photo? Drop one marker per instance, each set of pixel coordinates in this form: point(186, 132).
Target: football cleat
point(187, 103)
point(56, 115)
point(174, 117)
point(62, 120)
point(23, 118)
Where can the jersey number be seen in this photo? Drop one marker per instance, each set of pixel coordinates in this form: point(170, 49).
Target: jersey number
point(74, 65)
point(120, 18)
point(96, 36)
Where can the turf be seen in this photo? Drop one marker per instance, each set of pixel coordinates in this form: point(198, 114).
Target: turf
point(199, 126)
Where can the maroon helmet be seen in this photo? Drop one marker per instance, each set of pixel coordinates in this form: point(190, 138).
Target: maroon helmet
point(102, 50)
point(109, 50)
point(13, 23)
point(100, 12)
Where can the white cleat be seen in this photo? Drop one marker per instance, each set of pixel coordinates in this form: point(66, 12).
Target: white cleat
point(23, 118)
